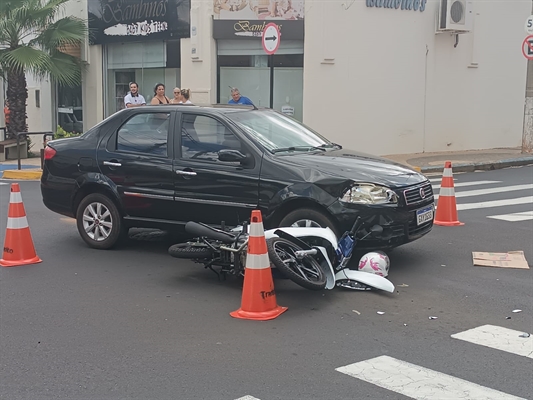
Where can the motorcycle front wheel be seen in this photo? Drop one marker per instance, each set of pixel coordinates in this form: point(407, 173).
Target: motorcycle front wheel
point(190, 250)
point(305, 272)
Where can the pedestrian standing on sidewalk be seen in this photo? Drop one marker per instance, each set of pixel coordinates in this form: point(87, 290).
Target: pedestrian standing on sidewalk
point(177, 96)
point(133, 98)
point(160, 97)
point(236, 98)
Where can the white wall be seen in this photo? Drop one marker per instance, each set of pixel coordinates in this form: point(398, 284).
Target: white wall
point(93, 88)
point(199, 74)
point(39, 118)
point(376, 96)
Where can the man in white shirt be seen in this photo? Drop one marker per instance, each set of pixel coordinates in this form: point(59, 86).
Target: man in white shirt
point(133, 98)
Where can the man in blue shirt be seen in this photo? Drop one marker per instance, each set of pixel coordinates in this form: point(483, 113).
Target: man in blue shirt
point(238, 99)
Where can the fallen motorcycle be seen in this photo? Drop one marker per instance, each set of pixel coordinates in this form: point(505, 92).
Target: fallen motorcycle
point(312, 267)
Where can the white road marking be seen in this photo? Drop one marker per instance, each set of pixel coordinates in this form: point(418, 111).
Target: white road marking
point(520, 216)
point(418, 382)
point(499, 338)
point(480, 192)
point(462, 184)
point(496, 203)
point(247, 398)
point(4, 183)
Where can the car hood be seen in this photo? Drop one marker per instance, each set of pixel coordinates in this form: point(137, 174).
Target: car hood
point(359, 167)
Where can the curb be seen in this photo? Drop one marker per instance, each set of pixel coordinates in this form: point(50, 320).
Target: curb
point(480, 166)
point(22, 174)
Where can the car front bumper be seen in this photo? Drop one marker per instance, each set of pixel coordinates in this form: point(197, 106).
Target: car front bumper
point(399, 222)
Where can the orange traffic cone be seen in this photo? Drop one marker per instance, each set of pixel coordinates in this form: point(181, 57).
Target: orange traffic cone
point(18, 244)
point(447, 208)
point(258, 295)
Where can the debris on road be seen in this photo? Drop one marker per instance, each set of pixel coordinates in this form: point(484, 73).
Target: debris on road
point(433, 317)
point(381, 312)
point(525, 335)
point(357, 312)
point(507, 317)
point(517, 310)
point(403, 285)
point(511, 259)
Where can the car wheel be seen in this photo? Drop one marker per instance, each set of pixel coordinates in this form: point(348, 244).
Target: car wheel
point(309, 218)
point(99, 222)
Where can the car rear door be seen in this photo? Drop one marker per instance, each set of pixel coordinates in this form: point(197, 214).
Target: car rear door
point(206, 189)
point(137, 158)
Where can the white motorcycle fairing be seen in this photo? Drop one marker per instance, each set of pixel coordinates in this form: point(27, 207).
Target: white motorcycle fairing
point(344, 275)
point(301, 232)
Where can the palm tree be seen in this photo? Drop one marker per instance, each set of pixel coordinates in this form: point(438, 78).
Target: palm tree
point(33, 39)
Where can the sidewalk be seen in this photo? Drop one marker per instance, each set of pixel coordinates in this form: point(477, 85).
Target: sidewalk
point(427, 163)
point(30, 169)
point(464, 161)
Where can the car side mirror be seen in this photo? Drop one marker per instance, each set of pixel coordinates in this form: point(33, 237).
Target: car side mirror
point(230, 155)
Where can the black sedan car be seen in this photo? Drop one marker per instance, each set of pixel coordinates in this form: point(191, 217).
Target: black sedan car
point(161, 166)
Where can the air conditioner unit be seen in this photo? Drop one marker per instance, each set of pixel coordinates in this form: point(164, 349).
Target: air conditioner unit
point(455, 16)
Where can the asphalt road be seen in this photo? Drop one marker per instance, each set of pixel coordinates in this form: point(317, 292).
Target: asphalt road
point(135, 323)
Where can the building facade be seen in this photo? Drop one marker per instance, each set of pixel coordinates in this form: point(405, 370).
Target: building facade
point(379, 76)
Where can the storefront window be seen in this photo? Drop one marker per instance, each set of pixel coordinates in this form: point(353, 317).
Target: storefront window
point(147, 63)
point(69, 110)
point(252, 75)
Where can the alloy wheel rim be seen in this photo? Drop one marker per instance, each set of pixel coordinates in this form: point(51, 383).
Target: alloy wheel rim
point(306, 223)
point(97, 221)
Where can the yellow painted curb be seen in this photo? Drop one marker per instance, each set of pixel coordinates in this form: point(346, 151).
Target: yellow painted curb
point(22, 174)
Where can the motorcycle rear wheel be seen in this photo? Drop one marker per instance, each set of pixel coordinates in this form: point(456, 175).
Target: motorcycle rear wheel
point(305, 272)
point(190, 250)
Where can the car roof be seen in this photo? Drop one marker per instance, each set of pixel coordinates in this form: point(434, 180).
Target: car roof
point(214, 108)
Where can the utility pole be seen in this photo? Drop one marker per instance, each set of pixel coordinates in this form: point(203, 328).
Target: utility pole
point(527, 134)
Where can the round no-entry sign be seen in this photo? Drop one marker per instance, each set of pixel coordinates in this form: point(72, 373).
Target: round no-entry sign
point(271, 38)
point(527, 47)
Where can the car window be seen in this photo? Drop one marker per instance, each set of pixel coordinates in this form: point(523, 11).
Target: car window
point(203, 137)
point(145, 133)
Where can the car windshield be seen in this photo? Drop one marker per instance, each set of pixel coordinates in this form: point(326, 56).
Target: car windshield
point(279, 133)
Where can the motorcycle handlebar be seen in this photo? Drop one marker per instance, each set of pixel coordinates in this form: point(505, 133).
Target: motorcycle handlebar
point(202, 230)
point(356, 225)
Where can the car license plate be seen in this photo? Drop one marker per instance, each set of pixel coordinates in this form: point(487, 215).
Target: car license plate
point(424, 215)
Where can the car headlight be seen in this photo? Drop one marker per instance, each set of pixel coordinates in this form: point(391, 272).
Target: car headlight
point(367, 193)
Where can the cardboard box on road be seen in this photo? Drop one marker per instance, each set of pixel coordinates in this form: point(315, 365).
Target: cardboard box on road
point(511, 259)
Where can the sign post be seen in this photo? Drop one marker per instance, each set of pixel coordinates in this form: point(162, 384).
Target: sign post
point(270, 39)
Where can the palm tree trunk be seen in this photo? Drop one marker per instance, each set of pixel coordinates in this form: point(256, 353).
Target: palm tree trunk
point(17, 93)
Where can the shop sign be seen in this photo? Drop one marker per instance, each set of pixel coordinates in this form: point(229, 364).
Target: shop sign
point(259, 9)
point(415, 5)
point(250, 29)
point(138, 20)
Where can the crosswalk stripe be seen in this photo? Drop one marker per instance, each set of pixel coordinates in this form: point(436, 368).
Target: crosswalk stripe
point(496, 203)
point(462, 184)
point(520, 216)
point(499, 338)
point(418, 382)
point(479, 192)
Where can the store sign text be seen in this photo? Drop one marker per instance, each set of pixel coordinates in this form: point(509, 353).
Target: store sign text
point(122, 10)
point(416, 5)
point(245, 28)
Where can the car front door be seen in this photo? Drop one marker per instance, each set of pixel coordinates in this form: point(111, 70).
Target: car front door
point(206, 189)
point(137, 158)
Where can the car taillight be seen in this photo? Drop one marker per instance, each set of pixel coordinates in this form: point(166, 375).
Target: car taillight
point(49, 152)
